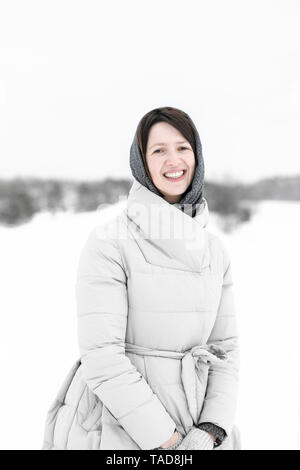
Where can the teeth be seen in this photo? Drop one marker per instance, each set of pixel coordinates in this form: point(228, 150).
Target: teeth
point(174, 175)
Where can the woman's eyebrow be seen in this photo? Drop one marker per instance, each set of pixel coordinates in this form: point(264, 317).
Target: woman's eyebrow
point(163, 143)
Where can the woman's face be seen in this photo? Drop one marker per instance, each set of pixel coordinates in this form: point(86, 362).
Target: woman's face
point(169, 152)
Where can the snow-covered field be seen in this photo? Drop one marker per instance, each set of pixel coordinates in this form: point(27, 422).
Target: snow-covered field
point(38, 329)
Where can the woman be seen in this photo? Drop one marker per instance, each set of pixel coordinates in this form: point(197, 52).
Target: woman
point(159, 355)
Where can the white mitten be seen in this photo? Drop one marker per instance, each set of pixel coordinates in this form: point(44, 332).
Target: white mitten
point(196, 439)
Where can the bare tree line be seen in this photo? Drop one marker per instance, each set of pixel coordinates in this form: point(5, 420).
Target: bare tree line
point(22, 198)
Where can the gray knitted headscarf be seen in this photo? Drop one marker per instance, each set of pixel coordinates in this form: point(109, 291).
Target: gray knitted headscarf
point(194, 193)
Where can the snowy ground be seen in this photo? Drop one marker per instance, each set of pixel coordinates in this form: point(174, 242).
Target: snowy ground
point(38, 329)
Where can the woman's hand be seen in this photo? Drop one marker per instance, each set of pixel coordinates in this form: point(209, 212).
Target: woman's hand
point(171, 442)
point(212, 436)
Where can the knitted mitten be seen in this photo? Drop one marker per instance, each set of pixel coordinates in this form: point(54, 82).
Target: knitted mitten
point(196, 439)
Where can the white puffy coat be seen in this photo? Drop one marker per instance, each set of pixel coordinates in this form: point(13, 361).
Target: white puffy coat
point(156, 331)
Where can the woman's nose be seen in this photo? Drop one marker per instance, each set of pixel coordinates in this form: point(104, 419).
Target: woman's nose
point(173, 158)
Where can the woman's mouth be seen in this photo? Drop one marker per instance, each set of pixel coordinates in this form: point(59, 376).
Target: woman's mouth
point(174, 176)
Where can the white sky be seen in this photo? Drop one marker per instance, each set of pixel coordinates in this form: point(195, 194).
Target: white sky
point(77, 76)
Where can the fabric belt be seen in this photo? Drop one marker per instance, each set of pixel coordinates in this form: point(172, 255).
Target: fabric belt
point(191, 366)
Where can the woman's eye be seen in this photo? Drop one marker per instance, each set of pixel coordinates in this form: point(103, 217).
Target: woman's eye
point(185, 148)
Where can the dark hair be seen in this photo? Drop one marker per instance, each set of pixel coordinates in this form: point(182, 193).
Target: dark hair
point(173, 116)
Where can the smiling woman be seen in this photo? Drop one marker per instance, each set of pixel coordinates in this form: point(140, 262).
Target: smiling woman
point(166, 142)
point(156, 316)
point(173, 169)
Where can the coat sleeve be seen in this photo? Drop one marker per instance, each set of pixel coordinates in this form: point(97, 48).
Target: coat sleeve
point(222, 387)
point(102, 308)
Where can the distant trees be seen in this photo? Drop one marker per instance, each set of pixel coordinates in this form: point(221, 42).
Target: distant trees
point(17, 205)
point(227, 201)
point(21, 198)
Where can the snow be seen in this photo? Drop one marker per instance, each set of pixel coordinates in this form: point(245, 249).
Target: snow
point(38, 329)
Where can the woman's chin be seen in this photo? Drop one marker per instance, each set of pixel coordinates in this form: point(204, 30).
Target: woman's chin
point(174, 192)
point(173, 196)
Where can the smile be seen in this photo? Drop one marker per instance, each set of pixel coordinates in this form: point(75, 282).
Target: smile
point(175, 176)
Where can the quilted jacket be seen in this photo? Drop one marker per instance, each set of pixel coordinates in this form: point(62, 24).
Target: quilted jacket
point(157, 333)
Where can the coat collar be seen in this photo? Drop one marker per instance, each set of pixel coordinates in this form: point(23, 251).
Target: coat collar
point(174, 239)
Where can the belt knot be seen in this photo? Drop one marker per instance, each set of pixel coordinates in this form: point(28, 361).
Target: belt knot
point(194, 374)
